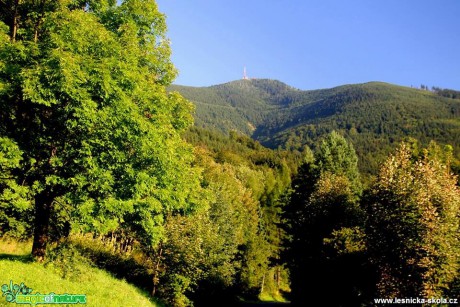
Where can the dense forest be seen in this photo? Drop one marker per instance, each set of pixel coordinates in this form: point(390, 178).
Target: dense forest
point(345, 194)
point(374, 116)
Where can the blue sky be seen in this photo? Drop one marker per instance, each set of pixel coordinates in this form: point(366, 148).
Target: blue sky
point(316, 44)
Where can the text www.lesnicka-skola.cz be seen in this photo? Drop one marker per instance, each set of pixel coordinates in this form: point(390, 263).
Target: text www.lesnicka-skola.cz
point(416, 300)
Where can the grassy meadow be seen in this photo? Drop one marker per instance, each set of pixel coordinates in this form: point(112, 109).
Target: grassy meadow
point(100, 287)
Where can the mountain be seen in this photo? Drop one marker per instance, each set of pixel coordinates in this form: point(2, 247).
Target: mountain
point(241, 105)
point(375, 116)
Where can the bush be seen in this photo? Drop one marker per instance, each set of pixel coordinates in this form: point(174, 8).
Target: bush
point(66, 259)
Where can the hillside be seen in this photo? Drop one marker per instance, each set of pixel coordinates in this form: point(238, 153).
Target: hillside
point(375, 116)
point(101, 288)
point(238, 105)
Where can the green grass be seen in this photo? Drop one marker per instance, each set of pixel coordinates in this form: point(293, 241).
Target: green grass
point(14, 248)
point(272, 297)
point(101, 288)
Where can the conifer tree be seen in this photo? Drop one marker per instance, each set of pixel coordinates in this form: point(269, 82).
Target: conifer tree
point(322, 208)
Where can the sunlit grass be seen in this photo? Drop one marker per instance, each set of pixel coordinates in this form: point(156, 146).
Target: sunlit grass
point(11, 247)
point(271, 297)
point(101, 288)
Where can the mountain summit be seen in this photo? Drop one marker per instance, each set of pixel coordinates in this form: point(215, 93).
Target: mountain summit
point(374, 115)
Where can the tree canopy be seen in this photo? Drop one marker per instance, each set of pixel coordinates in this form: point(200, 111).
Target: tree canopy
point(413, 226)
point(100, 159)
point(83, 102)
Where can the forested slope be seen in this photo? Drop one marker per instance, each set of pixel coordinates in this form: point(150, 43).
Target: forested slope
point(100, 165)
point(375, 116)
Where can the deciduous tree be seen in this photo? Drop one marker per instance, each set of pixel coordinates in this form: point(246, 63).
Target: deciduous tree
point(82, 96)
point(413, 226)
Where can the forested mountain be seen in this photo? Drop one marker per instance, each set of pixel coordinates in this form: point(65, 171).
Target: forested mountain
point(100, 165)
point(375, 116)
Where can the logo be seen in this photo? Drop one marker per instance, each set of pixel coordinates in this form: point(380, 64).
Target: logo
point(21, 294)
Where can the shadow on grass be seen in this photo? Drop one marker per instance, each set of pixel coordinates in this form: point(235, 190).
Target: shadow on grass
point(22, 258)
point(121, 267)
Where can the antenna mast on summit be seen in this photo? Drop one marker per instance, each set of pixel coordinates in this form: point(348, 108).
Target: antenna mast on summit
point(245, 76)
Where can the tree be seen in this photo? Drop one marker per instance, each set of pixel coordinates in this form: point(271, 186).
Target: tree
point(337, 156)
point(15, 200)
point(209, 255)
point(413, 225)
point(323, 212)
point(82, 96)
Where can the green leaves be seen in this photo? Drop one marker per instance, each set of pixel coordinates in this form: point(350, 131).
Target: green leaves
point(325, 223)
point(10, 154)
point(413, 225)
point(15, 198)
point(337, 156)
point(82, 95)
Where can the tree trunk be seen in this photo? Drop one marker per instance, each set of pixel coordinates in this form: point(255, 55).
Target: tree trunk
point(14, 26)
point(155, 274)
point(43, 203)
point(39, 20)
point(263, 284)
point(278, 277)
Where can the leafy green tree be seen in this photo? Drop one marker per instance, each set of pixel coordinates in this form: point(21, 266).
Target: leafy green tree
point(337, 156)
point(209, 255)
point(194, 252)
point(324, 221)
point(235, 212)
point(15, 199)
point(413, 225)
point(241, 166)
point(82, 96)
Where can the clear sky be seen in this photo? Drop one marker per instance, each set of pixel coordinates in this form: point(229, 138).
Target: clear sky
point(312, 44)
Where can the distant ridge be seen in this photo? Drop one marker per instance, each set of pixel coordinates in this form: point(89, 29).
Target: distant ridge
point(375, 116)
